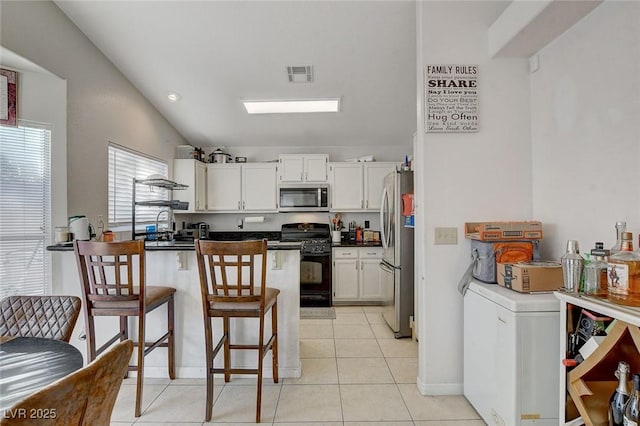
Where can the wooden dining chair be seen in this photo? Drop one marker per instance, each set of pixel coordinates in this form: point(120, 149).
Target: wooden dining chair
point(85, 397)
point(229, 274)
point(50, 317)
point(112, 276)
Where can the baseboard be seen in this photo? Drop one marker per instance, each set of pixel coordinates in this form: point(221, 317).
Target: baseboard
point(433, 389)
point(199, 373)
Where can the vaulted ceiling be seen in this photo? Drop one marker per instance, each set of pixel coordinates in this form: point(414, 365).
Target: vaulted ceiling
point(217, 53)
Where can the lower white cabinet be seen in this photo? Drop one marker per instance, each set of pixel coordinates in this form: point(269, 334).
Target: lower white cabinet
point(357, 276)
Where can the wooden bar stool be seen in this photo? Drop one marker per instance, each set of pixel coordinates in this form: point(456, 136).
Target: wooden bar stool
point(228, 273)
point(113, 286)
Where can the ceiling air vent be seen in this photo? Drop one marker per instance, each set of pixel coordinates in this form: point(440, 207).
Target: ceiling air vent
point(300, 74)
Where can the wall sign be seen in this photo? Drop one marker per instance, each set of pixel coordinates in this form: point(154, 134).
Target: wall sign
point(451, 98)
point(8, 97)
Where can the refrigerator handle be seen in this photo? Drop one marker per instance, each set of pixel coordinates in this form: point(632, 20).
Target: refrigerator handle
point(383, 231)
point(384, 267)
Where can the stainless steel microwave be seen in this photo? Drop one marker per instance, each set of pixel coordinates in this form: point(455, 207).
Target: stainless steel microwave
point(303, 198)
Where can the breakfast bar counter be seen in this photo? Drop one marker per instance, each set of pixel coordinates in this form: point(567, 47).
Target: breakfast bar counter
point(176, 266)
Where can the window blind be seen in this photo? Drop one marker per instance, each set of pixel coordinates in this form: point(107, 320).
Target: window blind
point(25, 210)
point(124, 166)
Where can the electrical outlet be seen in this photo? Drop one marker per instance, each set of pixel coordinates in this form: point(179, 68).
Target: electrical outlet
point(445, 236)
point(99, 220)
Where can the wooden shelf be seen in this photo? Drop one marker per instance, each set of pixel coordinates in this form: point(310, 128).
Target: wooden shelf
point(590, 384)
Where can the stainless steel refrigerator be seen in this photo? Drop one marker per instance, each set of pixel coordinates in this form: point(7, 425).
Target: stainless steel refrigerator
point(397, 262)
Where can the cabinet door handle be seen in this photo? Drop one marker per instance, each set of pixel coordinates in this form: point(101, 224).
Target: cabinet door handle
point(306, 176)
point(238, 205)
point(362, 265)
point(243, 205)
point(366, 204)
point(361, 204)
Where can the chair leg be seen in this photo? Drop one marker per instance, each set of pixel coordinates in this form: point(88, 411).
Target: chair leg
point(91, 338)
point(209, 357)
point(171, 345)
point(274, 348)
point(260, 362)
point(124, 335)
point(227, 349)
point(140, 365)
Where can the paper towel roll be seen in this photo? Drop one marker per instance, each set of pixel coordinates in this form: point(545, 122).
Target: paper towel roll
point(254, 219)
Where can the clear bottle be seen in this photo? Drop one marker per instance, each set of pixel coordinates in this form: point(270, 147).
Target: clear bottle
point(595, 271)
point(620, 397)
point(632, 412)
point(620, 228)
point(623, 271)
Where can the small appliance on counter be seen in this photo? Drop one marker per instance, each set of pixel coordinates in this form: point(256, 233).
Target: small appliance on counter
point(80, 228)
point(191, 231)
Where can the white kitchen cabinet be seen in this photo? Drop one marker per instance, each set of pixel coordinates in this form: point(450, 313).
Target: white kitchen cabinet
point(346, 186)
point(241, 187)
point(357, 276)
point(511, 345)
point(224, 187)
point(358, 186)
point(194, 174)
point(374, 174)
point(259, 187)
point(303, 168)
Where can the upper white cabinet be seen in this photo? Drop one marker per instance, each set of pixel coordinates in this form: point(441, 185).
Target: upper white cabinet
point(224, 187)
point(259, 187)
point(303, 168)
point(194, 174)
point(374, 174)
point(241, 187)
point(346, 186)
point(358, 186)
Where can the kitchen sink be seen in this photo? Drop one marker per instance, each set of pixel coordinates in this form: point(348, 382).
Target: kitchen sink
point(168, 243)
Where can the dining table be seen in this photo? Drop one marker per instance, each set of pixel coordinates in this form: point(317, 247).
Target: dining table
point(28, 364)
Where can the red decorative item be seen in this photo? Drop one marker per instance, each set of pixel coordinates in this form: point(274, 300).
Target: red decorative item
point(407, 204)
point(9, 97)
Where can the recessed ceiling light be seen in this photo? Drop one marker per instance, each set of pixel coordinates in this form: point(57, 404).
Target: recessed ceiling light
point(292, 106)
point(174, 96)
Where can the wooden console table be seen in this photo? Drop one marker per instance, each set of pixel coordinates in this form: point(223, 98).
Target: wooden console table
point(589, 385)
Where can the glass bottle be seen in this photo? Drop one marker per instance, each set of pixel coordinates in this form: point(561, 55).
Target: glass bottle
point(572, 267)
point(632, 412)
point(620, 397)
point(595, 272)
point(620, 228)
point(623, 271)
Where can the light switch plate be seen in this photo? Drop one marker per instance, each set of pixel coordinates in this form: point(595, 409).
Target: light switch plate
point(444, 236)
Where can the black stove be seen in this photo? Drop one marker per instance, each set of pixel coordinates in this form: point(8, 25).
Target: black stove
point(315, 261)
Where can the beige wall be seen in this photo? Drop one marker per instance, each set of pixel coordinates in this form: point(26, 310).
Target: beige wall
point(102, 105)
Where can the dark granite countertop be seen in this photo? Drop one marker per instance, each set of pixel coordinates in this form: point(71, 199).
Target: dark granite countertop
point(357, 244)
point(188, 245)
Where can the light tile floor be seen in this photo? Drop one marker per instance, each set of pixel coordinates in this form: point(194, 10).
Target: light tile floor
point(354, 373)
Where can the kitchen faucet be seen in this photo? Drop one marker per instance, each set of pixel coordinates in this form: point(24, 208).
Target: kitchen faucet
point(158, 225)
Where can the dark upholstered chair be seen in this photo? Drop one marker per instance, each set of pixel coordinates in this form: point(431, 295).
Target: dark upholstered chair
point(51, 317)
point(112, 276)
point(85, 397)
point(228, 281)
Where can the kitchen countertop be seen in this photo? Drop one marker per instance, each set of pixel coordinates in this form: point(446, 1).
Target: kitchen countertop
point(357, 244)
point(186, 246)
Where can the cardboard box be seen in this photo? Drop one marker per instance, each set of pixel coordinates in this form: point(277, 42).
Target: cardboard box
point(530, 277)
point(503, 231)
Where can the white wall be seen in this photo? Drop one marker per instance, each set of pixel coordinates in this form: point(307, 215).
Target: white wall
point(102, 105)
point(585, 102)
point(466, 177)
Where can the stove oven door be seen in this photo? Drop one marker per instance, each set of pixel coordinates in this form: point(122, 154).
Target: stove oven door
point(315, 279)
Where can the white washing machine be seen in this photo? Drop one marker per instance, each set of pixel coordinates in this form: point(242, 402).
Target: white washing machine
point(511, 347)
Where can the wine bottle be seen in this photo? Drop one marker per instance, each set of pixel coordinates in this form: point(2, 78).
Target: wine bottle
point(620, 396)
point(632, 412)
